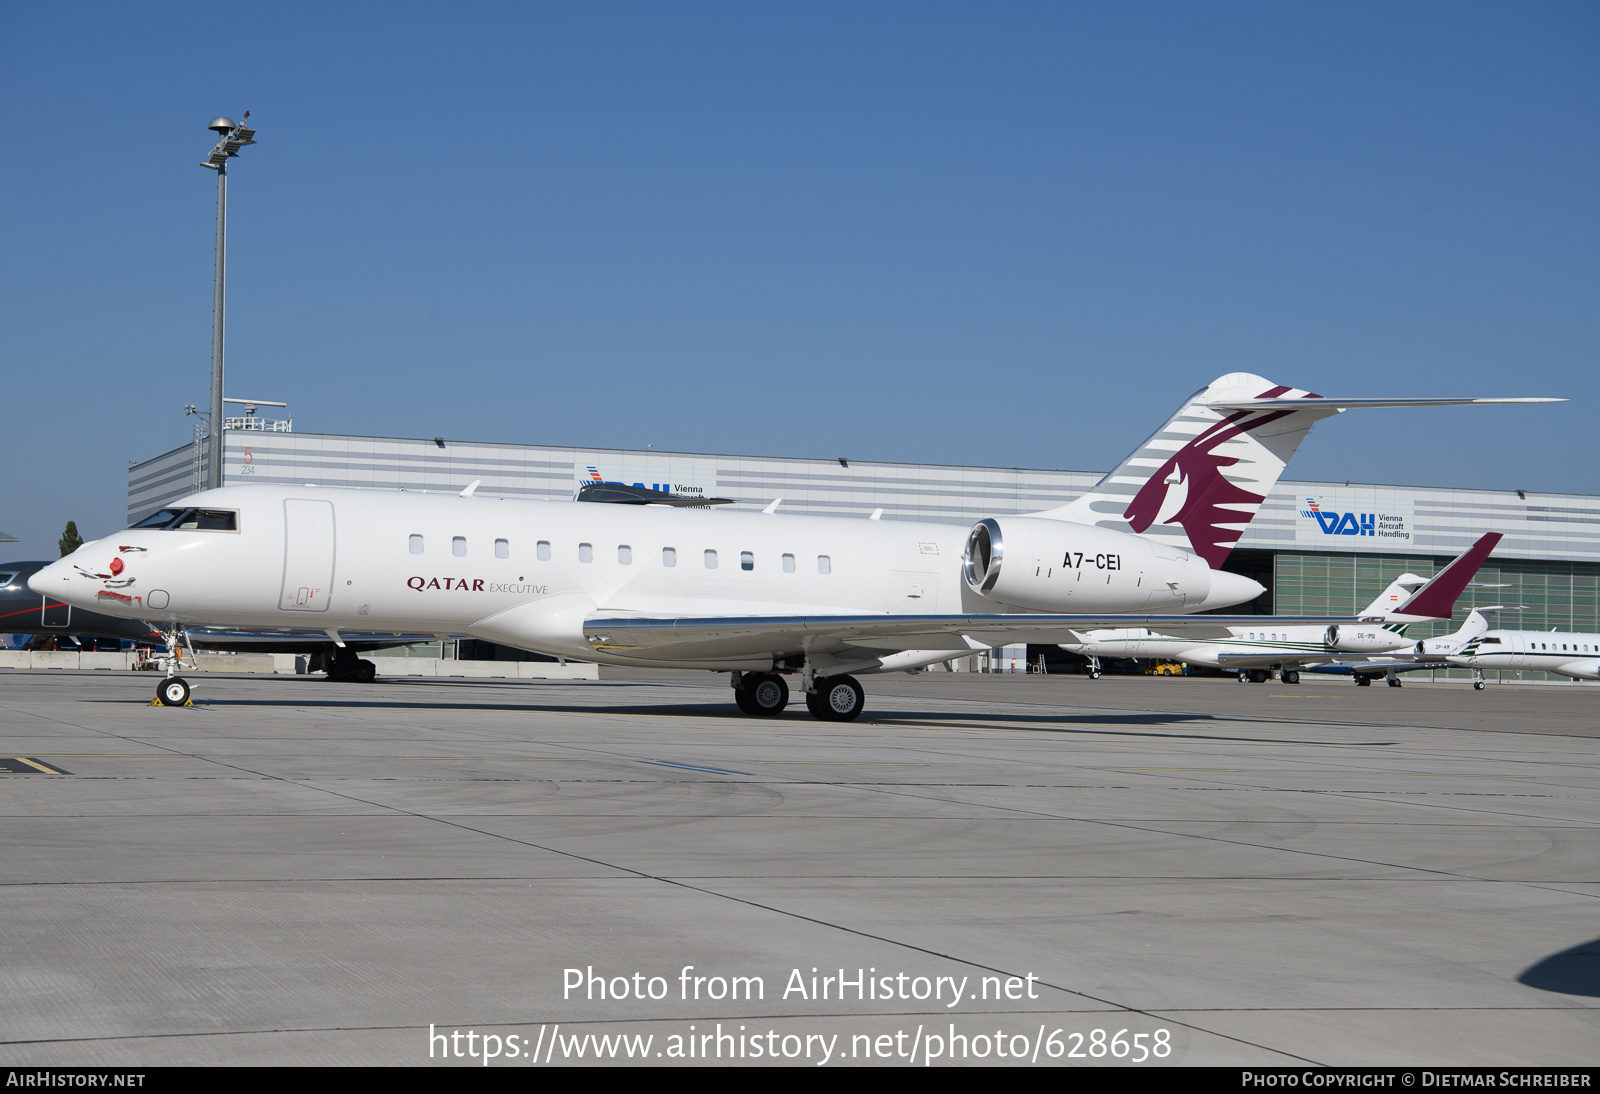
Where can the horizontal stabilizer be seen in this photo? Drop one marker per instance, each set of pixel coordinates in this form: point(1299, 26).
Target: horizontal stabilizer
point(1368, 404)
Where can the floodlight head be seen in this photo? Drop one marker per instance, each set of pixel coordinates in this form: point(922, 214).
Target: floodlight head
point(222, 125)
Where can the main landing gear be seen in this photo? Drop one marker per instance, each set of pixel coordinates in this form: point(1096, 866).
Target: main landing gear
point(836, 699)
point(832, 698)
point(344, 666)
point(764, 694)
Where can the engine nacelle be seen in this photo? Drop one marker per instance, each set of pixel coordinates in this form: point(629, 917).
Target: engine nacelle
point(1053, 566)
point(1366, 638)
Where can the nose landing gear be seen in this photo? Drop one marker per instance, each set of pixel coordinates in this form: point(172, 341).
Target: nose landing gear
point(174, 690)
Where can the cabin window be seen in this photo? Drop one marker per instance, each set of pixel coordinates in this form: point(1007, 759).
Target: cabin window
point(543, 550)
point(502, 548)
point(625, 555)
point(416, 545)
point(788, 564)
point(458, 546)
point(669, 556)
point(747, 561)
point(711, 560)
point(824, 564)
point(585, 552)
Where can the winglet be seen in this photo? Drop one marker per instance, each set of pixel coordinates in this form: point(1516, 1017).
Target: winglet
point(471, 488)
point(1437, 599)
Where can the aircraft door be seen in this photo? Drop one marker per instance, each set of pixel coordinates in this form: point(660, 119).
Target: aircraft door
point(307, 555)
point(53, 613)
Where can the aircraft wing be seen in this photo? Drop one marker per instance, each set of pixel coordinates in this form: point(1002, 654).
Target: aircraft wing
point(1264, 660)
point(757, 634)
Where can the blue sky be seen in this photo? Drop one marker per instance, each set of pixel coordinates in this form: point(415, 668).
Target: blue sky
point(993, 234)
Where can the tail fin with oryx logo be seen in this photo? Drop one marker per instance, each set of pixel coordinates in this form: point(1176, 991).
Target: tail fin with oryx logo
point(1198, 480)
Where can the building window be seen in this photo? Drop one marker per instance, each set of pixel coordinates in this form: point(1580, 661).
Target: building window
point(747, 561)
point(711, 560)
point(502, 548)
point(585, 552)
point(625, 555)
point(416, 545)
point(543, 550)
point(669, 556)
point(788, 564)
point(824, 565)
point(458, 546)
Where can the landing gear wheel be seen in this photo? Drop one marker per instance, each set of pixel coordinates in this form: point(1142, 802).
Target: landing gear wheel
point(1242, 677)
point(1363, 681)
point(1259, 676)
point(1291, 678)
point(1394, 681)
point(366, 672)
point(742, 698)
point(1477, 685)
point(765, 694)
point(1094, 674)
point(837, 699)
point(173, 692)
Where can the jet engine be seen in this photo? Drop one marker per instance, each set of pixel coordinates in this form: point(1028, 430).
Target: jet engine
point(1048, 565)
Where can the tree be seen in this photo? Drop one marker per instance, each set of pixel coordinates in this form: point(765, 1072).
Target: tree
point(70, 540)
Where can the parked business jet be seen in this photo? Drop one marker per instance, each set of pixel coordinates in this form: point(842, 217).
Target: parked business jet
point(1426, 655)
point(1563, 652)
point(1260, 649)
point(23, 611)
point(757, 594)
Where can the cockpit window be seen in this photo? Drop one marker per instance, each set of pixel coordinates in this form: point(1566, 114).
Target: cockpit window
point(163, 519)
point(193, 520)
point(210, 520)
point(1490, 642)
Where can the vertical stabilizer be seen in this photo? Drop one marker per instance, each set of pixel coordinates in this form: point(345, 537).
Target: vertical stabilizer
point(1437, 599)
point(1198, 480)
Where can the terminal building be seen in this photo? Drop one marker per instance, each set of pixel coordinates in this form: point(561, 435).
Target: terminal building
point(1319, 548)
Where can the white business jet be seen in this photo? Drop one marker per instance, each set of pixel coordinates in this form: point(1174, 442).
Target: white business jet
point(758, 594)
point(1561, 652)
point(1259, 649)
point(1425, 655)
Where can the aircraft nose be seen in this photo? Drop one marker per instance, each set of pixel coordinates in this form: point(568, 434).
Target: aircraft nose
point(47, 581)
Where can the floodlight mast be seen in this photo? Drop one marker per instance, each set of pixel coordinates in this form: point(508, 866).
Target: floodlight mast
point(232, 137)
